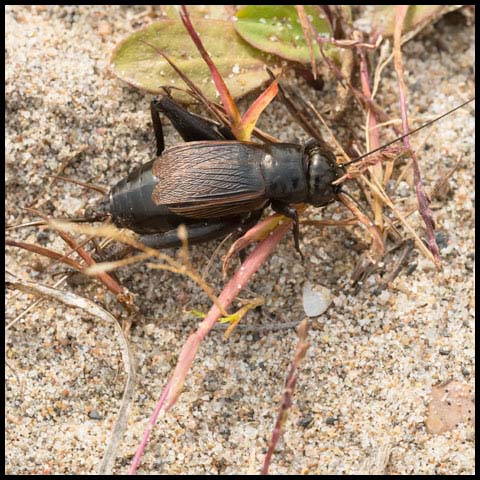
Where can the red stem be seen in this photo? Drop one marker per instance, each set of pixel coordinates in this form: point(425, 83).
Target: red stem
point(189, 350)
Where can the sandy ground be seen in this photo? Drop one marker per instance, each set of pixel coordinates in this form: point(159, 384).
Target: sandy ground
point(361, 398)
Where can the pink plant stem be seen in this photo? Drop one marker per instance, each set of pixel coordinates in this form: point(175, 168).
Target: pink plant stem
point(236, 284)
point(281, 418)
point(374, 138)
point(286, 403)
point(151, 423)
point(189, 350)
point(376, 170)
point(423, 200)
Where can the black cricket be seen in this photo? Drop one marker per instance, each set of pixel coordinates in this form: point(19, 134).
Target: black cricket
point(214, 184)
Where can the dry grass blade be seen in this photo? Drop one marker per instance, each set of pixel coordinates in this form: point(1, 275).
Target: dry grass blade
point(423, 200)
point(75, 301)
point(364, 220)
point(127, 237)
point(307, 33)
point(109, 266)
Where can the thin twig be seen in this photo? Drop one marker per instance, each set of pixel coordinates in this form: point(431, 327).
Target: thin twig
point(286, 402)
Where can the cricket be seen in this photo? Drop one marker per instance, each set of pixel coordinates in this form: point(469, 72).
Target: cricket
point(167, 232)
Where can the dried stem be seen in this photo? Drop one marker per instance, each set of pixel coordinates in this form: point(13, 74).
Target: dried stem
point(95, 310)
point(307, 33)
point(286, 402)
point(372, 136)
point(122, 236)
point(423, 200)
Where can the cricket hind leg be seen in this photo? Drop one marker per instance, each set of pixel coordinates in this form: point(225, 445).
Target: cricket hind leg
point(190, 126)
point(203, 231)
point(199, 232)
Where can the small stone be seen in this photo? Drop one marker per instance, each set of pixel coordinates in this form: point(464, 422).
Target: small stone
point(316, 299)
point(331, 420)
point(306, 421)
point(94, 415)
point(149, 329)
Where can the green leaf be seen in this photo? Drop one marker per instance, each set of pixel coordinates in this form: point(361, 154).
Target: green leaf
point(277, 29)
point(138, 64)
point(418, 17)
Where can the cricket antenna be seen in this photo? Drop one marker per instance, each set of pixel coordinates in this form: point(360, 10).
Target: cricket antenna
point(408, 133)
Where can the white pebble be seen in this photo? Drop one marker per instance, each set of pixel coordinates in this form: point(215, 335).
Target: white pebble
point(316, 299)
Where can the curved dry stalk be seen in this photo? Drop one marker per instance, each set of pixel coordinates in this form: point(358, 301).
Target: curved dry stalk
point(32, 305)
point(208, 266)
point(72, 300)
